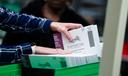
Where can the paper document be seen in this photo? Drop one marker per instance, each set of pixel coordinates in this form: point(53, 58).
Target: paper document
point(85, 47)
point(85, 40)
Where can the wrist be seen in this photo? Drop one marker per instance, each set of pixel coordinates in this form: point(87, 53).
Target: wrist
point(33, 49)
point(53, 26)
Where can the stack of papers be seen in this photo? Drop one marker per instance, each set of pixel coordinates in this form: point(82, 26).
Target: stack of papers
point(85, 40)
point(85, 47)
point(60, 61)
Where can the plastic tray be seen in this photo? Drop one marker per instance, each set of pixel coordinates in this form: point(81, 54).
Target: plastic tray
point(10, 70)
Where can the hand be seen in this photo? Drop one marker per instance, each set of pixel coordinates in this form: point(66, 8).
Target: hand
point(64, 27)
point(44, 50)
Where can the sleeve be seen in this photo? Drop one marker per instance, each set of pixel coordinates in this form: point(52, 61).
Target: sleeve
point(15, 22)
point(12, 54)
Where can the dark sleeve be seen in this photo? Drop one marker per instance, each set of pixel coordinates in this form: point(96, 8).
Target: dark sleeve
point(15, 22)
point(12, 54)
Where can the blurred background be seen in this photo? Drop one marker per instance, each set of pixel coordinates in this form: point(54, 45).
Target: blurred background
point(92, 11)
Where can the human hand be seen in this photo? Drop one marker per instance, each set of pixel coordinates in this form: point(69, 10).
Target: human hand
point(44, 50)
point(64, 27)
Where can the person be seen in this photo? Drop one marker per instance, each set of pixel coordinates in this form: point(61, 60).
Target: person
point(14, 22)
point(56, 10)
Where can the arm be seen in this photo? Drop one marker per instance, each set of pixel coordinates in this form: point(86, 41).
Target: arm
point(12, 54)
point(14, 22)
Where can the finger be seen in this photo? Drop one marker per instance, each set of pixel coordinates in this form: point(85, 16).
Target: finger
point(60, 51)
point(66, 52)
point(73, 26)
point(68, 35)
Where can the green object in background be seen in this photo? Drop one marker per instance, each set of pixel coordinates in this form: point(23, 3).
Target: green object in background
point(57, 61)
point(10, 70)
point(83, 70)
point(13, 7)
point(2, 34)
point(37, 65)
point(48, 62)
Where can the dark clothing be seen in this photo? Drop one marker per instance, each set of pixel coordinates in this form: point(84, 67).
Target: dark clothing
point(12, 54)
point(124, 68)
point(20, 23)
point(37, 37)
